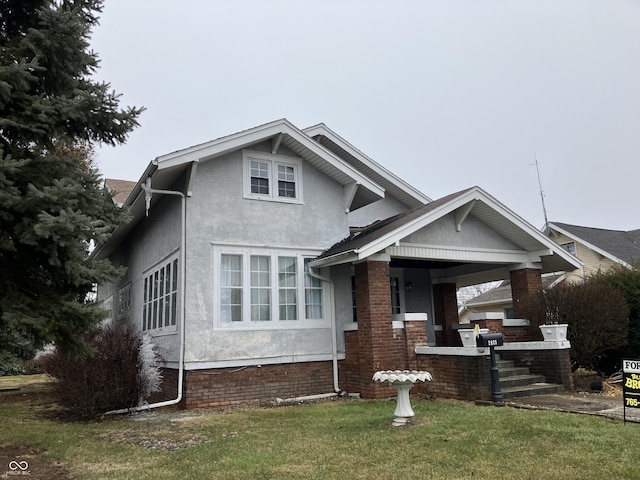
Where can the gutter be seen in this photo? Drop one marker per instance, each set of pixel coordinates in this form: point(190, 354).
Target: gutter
point(334, 339)
point(183, 243)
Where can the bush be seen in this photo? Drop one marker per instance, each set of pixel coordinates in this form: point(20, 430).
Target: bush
point(597, 315)
point(119, 372)
point(627, 281)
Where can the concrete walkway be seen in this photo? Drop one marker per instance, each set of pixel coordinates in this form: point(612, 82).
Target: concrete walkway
point(574, 402)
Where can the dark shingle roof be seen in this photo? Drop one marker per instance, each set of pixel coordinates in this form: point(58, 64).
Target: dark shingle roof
point(382, 227)
point(620, 244)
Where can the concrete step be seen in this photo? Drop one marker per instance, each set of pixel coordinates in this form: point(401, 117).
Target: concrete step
point(504, 364)
point(519, 380)
point(513, 371)
point(533, 389)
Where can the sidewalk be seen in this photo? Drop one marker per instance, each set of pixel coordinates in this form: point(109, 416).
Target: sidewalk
point(574, 402)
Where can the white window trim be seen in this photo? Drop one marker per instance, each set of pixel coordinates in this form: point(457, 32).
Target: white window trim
point(169, 329)
point(274, 161)
point(275, 323)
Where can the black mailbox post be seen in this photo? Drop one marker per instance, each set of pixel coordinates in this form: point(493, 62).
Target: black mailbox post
point(492, 340)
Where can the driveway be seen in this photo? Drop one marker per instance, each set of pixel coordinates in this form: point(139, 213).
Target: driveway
point(578, 402)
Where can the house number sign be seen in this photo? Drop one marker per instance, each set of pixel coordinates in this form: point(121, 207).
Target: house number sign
point(631, 385)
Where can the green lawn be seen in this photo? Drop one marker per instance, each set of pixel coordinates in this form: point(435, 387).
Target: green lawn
point(334, 439)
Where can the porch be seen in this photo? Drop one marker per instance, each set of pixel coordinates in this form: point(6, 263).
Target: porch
point(526, 367)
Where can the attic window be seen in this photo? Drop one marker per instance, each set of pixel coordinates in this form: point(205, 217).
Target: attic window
point(271, 177)
point(569, 247)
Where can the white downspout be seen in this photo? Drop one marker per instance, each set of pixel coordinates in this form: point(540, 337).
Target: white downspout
point(183, 257)
point(334, 339)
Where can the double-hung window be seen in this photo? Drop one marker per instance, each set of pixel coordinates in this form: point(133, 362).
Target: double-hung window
point(160, 297)
point(271, 177)
point(265, 288)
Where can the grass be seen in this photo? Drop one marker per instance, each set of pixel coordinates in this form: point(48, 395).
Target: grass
point(333, 439)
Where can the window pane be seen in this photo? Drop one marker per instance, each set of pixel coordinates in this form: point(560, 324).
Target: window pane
point(167, 311)
point(287, 189)
point(260, 177)
point(395, 295)
point(174, 308)
point(260, 287)
point(286, 181)
point(312, 294)
point(287, 271)
point(231, 288)
point(260, 185)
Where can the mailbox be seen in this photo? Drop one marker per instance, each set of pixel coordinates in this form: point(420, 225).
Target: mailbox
point(489, 340)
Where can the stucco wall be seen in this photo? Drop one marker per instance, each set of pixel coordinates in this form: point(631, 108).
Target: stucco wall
point(474, 233)
point(219, 215)
point(154, 239)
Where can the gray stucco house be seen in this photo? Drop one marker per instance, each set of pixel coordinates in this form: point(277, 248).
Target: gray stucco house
point(281, 262)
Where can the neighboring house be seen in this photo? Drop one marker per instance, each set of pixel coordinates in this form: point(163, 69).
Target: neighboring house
point(597, 249)
point(120, 189)
point(283, 262)
point(498, 302)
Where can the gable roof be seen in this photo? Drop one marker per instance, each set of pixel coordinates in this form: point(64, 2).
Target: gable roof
point(360, 189)
point(620, 246)
point(281, 132)
point(394, 185)
point(383, 234)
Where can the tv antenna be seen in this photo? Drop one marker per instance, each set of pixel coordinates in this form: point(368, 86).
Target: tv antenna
point(544, 208)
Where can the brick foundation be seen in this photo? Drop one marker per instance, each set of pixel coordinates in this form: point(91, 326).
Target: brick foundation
point(250, 385)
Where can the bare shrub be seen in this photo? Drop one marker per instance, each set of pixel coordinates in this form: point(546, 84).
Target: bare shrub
point(118, 372)
point(597, 315)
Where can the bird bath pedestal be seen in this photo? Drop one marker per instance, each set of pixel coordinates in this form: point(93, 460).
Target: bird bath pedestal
point(402, 380)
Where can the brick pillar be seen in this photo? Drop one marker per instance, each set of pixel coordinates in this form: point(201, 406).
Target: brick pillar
point(375, 332)
point(524, 282)
point(445, 308)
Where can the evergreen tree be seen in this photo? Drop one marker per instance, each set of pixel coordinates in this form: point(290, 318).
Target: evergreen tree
point(52, 202)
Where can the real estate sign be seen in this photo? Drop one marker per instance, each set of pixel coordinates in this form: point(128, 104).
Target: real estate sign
point(631, 384)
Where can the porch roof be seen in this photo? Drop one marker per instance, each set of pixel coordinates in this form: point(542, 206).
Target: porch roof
point(386, 236)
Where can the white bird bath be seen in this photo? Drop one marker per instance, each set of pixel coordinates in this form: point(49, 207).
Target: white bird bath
point(402, 380)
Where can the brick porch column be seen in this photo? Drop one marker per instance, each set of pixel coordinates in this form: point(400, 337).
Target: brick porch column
point(524, 282)
point(445, 309)
point(373, 298)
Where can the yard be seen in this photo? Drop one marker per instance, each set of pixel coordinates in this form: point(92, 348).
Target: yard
point(326, 440)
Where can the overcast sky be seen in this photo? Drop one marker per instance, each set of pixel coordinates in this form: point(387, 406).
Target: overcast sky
point(446, 94)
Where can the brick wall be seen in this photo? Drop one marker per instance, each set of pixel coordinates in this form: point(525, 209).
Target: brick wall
point(524, 282)
point(376, 346)
point(252, 385)
point(445, 311)
point(459, 377)
point(402, 344)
